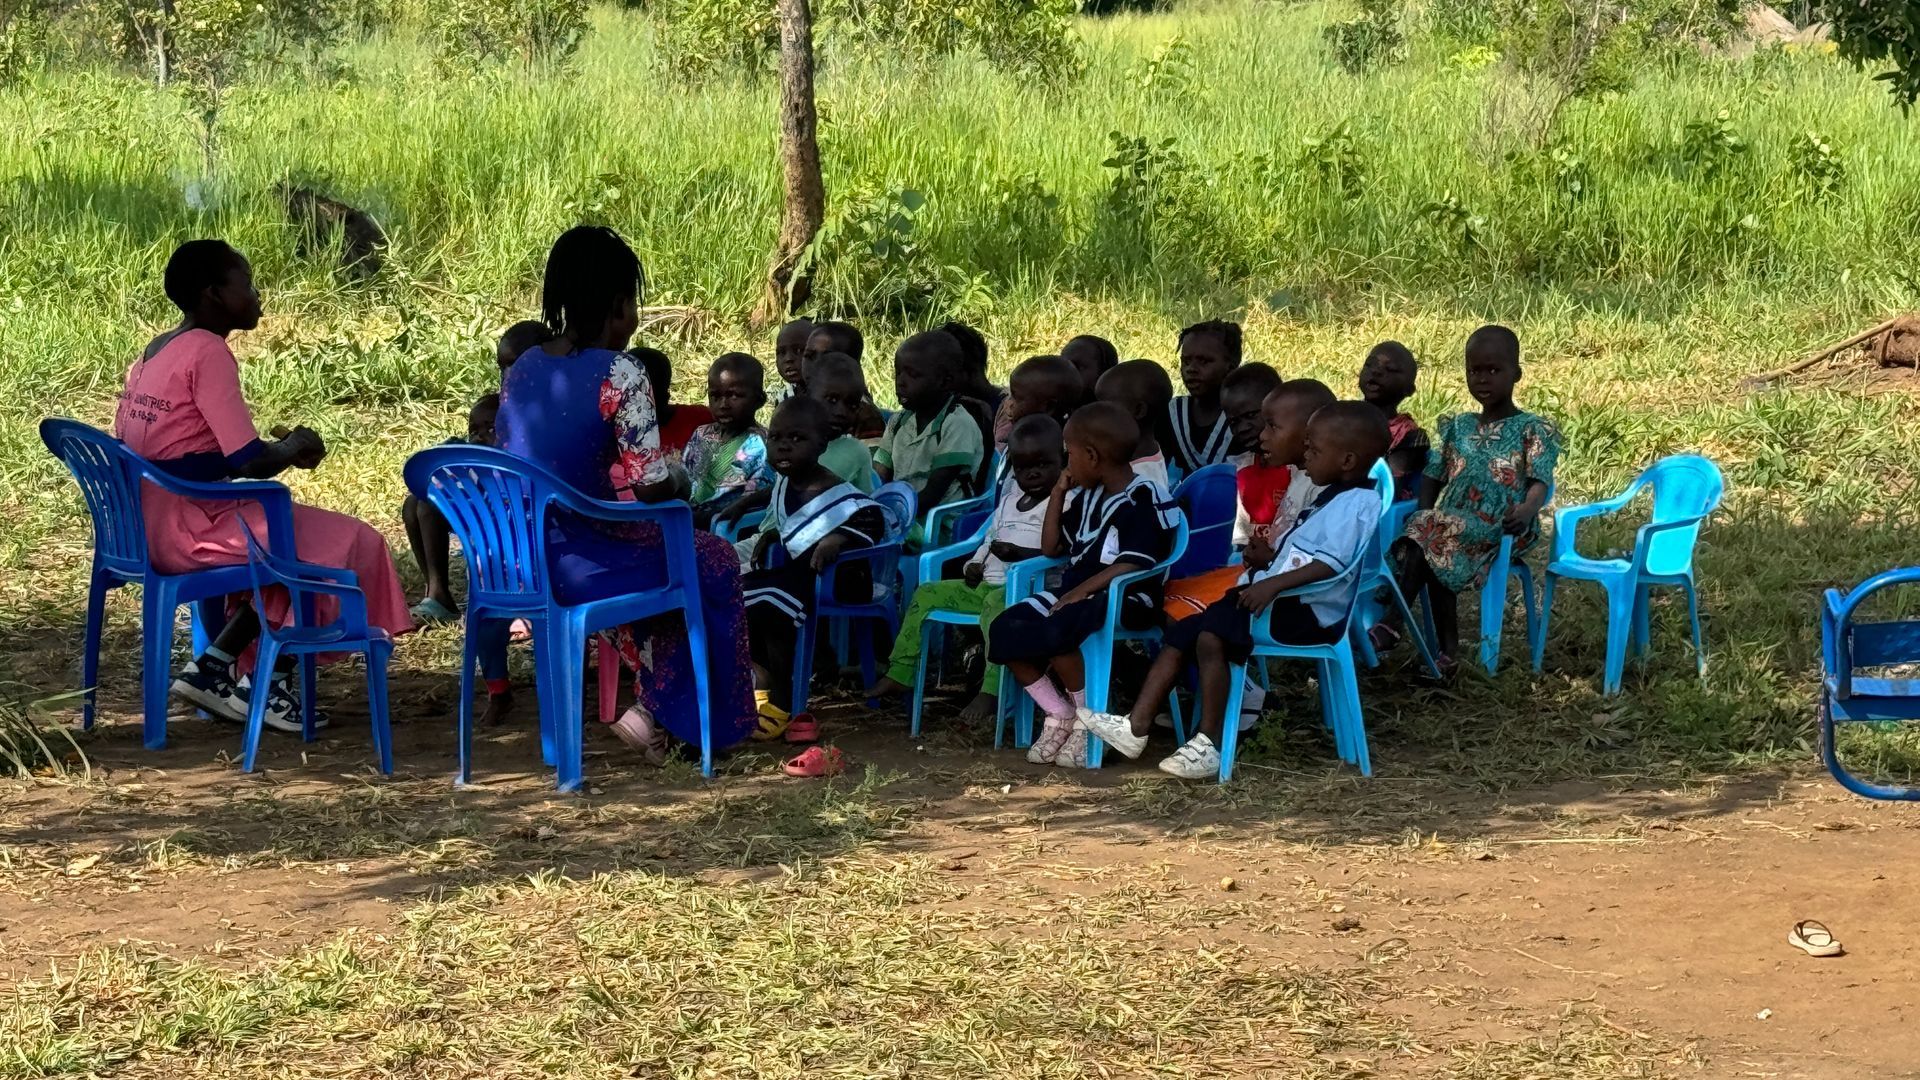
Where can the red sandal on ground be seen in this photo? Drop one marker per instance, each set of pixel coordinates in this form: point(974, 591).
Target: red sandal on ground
point(803, 728)
point(817, 761)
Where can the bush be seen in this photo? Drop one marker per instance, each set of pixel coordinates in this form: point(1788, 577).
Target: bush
point(1374, 39)
point(472, 33)
point(23, 37)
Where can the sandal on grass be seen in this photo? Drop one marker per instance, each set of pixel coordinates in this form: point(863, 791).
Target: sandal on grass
point(817, 761)
point(773, 723)
point(431, 612)
point(1814, 939)
point(637, 729)
point(803, 728)
point(1383, 638)
point(520, 630)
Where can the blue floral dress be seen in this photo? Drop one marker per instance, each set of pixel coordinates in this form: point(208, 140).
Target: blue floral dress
point(1487, 469)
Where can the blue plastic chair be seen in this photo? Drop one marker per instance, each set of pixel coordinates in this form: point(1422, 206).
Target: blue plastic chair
point(1097, 650)
point(1377, 580)
point(1845, 698)
point(111, 478)
point(1493, 604)
point(499, 506)
point(883, 561)
point(1208, 498)
point(1686, 490)
point(732, 530)
point(348, 632)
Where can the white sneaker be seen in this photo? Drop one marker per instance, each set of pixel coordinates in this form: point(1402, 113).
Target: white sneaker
point(1073, 752)
point(283, 706)
point(212, 690)
point(1198, 760)
point(1053, 735)
point(1115, 731)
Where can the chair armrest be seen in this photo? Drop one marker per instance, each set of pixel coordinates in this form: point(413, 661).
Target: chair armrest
point(673, 514)
point(830, 577)
point(276, 502)
point(1567, 519)
point(1025, 577)
point(931, 560)
point(1263, 619)
point(937, 516)
point(730, 529)
point(1647, 532)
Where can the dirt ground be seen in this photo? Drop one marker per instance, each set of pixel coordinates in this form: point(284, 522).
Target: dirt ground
point(1657, 916)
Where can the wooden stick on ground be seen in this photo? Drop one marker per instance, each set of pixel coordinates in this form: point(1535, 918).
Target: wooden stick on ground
point(1754, 382)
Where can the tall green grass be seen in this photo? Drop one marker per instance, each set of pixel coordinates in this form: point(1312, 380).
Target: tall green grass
point(1641, 301)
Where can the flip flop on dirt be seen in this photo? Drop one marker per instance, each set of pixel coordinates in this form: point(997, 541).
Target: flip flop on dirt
point(817, 761)
point(1814, 939)
point(431, 612)
point(803, 728)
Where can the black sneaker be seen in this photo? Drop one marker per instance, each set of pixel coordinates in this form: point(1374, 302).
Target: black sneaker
point(283, 707)
point(210, 687)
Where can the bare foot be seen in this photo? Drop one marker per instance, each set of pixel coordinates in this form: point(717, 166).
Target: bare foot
point(885, 688)
point(981, 708)
point(499, 707)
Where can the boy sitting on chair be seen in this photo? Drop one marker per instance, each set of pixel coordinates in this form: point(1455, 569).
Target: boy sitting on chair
point(1108, 521)
point(1344, 440)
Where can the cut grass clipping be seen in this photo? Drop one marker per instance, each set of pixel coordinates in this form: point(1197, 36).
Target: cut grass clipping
point(30, 747)
point(859, 968)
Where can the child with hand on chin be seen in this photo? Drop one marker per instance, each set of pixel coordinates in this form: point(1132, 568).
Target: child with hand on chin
point(1108, 521)
point(814, 515)
point(1344, 440)
point(1034, 462)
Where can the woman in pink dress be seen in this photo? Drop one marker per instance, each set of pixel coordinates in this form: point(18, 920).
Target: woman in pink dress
point(182, 411)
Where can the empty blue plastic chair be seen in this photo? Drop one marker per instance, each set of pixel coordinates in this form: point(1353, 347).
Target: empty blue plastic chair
point(499, 506)
point(1846, 645)
point(883, 562)
point(348, 632)
point(1208, 498)
point(1686, 489)
point(110, 478)
point(1377, 583)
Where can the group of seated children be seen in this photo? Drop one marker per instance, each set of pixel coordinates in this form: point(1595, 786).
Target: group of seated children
point(1082, 449)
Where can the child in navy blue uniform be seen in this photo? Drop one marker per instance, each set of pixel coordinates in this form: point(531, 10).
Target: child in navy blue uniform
point(1344, 440)
point(1107, 521)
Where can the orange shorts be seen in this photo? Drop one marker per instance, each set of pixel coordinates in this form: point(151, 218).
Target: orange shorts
point(1188, 597)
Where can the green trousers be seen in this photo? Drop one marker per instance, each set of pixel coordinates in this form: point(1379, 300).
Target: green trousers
point(986, 601)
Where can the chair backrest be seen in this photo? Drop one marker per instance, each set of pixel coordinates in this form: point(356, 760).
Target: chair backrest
point(1207, 498)
point(1684, 486)
point(900, 504)
point(109, 477)
point(1392, 524)
point(496, 504)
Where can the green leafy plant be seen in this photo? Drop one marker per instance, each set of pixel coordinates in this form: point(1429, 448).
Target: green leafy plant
point(472, 33)
point(1817, 164)
point(1709, 148)
point(23, 37)
point(1372, 39)
point(1169, 71)
point(1876, 32)
point(1453, 221)
point(868, 259)
point(1334, 160)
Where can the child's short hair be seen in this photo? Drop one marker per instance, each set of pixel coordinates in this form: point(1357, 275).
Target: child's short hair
point(832, 365)
point(590, 272)
point(522, 336)
point(485, 405)
point(805, 410)
point(1137, 380)
point(1355, 426)
point(1108, 428)
point(1253, 378)
point(1054, 375)
point(659, 372)
point(745, 366)
point(195, 267)
point(845, 337)
point(1495, 342)
point(1036, 428)
point(1104, 354)
point(939, 347)
point(973, 347)
point(1393, 350)
point(1227, 332)
point(1311, 394)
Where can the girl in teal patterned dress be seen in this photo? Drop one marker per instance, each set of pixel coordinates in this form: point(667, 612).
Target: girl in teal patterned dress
point(1490, 479)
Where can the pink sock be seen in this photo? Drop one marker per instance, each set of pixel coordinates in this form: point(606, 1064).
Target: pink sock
point(1047, 696)
point(1079, 700)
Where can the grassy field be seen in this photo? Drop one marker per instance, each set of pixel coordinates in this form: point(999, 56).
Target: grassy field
point(946, 915)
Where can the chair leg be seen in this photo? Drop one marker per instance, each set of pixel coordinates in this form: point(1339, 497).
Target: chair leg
point(156, 664)
point(1230, 723)
point(1527, 606)
point(927, 637)
point(1493, 615)
point(1546, 616)
point(90, 647)
point(1620, 604)
point(805, 644)
point(1098, 656)
point(865, 628)
point(702, 684)
point(1420, 631)
point(266, 658)
point(469, 660)
point(1693, 616)
point(570, 645)
point(377, 655)
point(1642, 622)
point(1347, 693)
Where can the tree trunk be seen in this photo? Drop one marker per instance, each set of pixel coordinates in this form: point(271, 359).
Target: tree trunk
point(806, 198)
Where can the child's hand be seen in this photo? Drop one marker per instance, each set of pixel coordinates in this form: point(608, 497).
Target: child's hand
point(826, 551)
point(760, 542)
point(1520, 518)
point(309, 450)
point(1259, 551)
point(1064, 485)
point(1258, 595)
point(974, 573)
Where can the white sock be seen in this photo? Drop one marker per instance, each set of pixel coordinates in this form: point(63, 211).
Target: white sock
point(215, 653)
